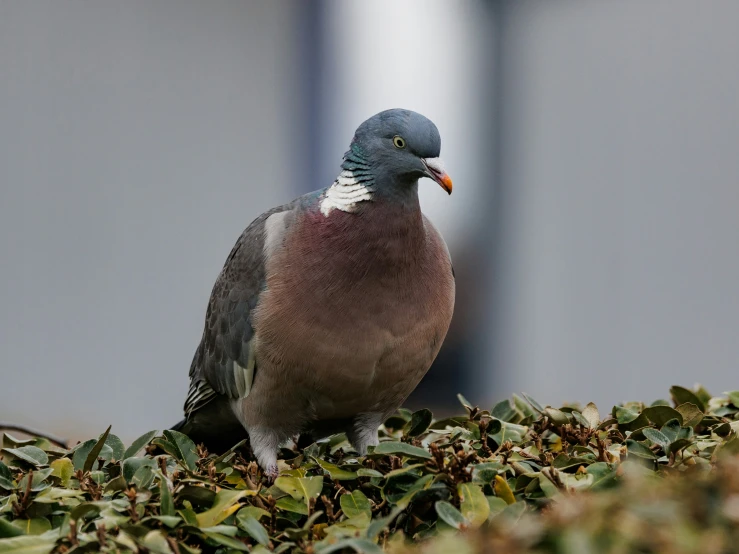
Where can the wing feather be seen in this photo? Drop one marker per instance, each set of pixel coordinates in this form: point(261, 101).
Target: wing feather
point(225, 362)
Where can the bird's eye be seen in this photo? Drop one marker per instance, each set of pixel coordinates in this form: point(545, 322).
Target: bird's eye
point(399, 141)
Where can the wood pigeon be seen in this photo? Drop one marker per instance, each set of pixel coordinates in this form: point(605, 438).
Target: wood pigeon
point(331, 308)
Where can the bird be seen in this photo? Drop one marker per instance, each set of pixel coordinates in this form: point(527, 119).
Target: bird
point(329, 309)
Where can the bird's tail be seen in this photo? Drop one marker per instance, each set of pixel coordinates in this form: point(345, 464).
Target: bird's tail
point(178, 426)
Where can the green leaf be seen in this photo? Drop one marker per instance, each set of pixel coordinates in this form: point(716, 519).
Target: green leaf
point(139, 443)
point(365, 472)
point(403, 499)
point(37, 480)
point(591, 415)
point(692, 415)
point(681, 395)
point(420, 421)
point(85, 509)
point(9, 441)
point(63, 468)
point(659, 415)
point(80, 453)
point(27, 545)
point(334, 471)
point(629, 419)
point(143, 478)
point(624, 415)
point(403, 449)
point(412, 469)
point(288, 503)
point(224, 504)
point(679, 444)
point(199, 497)
point(188, 516)
point(53, 495)
point(31, 454)
point(166, 504)
point(362, 546)
point(580, 419)
point(486, 471)
point(558, 417)
point(395, 422)
point(116, 445)
point(131, 465)
point(465, 403)
point(7, 503)
point(6, 478)
point(523, 407)
point(378, 525)
point(702, 394)
point(508, 432)
point(671, 430)
point(563, 461)
point(450, 515)
point(657, 438)
point(301, 488)
point(225, 540)
point(95, 451)
point(184, 450)
point(534, 404)
point(733, 397)
point(355, 504)
point(473, 504)
point(35, 526)
point(255, 529)
point(505, 410)
point(494, 426)
point(638, 449)
point(155, 541)
point(603, 475)
point(546, 485)
point(448, 422)
point(252, 511)
point(169, 521)
point(496, 504)
point(8, 529)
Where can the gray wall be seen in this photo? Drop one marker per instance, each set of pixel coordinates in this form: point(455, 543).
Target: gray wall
point(619, 264)
point(137, 140)
point(593, 225)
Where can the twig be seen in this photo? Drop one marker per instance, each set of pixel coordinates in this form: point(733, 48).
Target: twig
point(33, 433)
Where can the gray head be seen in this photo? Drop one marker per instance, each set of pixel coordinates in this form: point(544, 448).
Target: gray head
point(395, 148)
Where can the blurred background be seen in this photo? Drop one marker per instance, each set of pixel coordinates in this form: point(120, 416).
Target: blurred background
point(593, 225)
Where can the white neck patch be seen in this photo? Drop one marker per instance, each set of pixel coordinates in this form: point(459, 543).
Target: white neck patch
point(345, 193)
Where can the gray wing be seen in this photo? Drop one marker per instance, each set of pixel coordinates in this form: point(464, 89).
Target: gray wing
point(224, 361)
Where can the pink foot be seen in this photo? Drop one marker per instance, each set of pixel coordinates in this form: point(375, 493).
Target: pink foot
point(271, 473)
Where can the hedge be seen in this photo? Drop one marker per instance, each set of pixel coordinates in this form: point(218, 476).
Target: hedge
point(518, 478)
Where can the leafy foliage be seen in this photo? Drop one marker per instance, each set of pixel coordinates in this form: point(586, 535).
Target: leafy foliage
point(520, 477)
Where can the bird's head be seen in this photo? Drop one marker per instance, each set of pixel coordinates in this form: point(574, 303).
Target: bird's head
point(398, 147)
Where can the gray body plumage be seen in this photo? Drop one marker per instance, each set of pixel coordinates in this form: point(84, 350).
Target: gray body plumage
point(330, 309)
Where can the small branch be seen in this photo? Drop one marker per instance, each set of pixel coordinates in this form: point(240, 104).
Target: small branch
point(33, 433)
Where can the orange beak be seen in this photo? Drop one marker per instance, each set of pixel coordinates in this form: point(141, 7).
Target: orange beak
point(436, 172)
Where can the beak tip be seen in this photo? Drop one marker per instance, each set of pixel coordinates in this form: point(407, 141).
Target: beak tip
point(446, 184)
point(435, 170)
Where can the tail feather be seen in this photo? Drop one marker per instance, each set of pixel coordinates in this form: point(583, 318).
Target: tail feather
point(214, 425)
point(179, 426)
